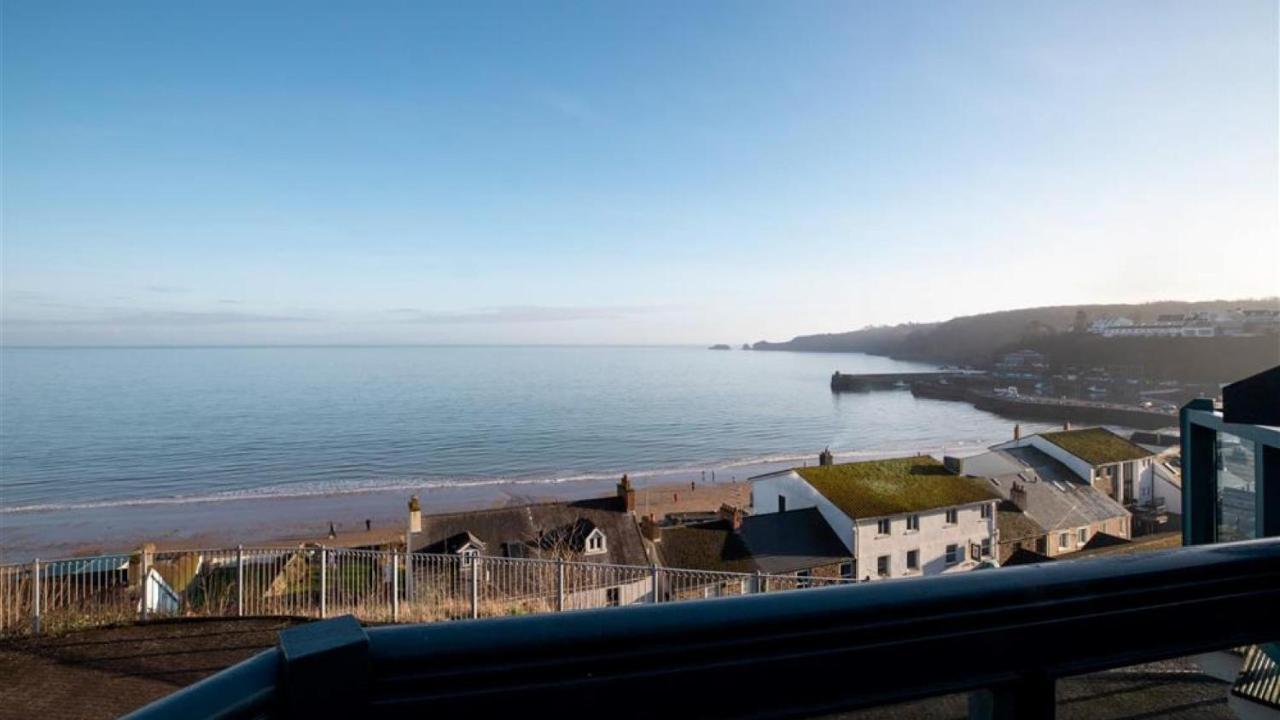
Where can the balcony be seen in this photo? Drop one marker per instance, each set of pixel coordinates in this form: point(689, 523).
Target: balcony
point(1006, 636)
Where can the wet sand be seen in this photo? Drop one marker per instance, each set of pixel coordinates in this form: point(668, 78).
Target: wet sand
point(290, 520)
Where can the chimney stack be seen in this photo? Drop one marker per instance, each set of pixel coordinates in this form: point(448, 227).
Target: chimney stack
point(649, 528)
point(415, 515)
point(1017, 432)
point(1018, 494)
point(732, 514)
point(627, 495)
point(825, 458)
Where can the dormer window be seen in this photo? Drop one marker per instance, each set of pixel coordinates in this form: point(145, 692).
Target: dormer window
point(596, 544)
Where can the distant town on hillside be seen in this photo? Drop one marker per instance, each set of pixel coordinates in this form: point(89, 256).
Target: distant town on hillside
point(1209, 342)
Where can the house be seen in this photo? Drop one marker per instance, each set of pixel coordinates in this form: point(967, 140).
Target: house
point(1119, 468)
point(1021, 365)
point(800, 544)
point(601, 530)
point(1047, 508)
point(495, 550)
point(896, 518)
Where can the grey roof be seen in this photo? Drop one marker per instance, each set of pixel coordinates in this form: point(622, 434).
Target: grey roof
point(1056, 499)
point(530, 526)
point(772, 543)
point(789, 541)
point(1015, 525)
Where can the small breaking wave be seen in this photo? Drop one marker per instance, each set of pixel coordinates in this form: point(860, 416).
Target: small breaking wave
point(333, 488)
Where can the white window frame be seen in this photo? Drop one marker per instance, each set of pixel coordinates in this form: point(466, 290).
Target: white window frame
point(888, 566)
point(804, 579)
point(596, 543)
point(846, 570)
point(913, 523)
point(884, 527)
point(916, 566)
point(1064, 541)
point(952, 517)
point(985, 511)
point(1082, 536)
point(953, 554)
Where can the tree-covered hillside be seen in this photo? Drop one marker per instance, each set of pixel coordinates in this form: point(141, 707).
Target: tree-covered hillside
point(977, 339)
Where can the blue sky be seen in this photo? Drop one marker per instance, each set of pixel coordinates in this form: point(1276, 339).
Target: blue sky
point(275, 172)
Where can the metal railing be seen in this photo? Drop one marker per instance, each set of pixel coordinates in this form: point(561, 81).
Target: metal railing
point(1005, 636)
point(318, 582)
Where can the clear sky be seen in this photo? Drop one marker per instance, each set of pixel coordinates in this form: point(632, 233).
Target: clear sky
point(427, 172)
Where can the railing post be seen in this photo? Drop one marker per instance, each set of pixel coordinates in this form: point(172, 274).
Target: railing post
point(35, 596)
point(239, 581)
point(408, 574)
point(475, 586)
point(395, 586)
point(324, 572)
point(560, 585)
point(653, 581)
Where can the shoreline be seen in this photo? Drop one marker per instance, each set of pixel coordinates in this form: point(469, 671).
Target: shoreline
point(177, 524)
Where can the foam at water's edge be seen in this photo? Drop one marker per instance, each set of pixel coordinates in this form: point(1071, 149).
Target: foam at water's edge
point(361, 486)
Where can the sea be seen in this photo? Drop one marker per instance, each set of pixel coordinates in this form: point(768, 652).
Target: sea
point(91, 432)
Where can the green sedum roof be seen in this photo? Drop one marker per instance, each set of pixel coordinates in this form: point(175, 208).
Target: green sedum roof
point(893, 487)
point(1096, 446)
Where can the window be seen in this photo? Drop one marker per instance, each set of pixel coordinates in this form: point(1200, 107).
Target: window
point(804, 579)
point(882, 566)
point(596, 543)
point(986, 547)
point(613, 597)
point(846, 570)
point(986, 511)
point(1063, 541)
point(953, 554)
point(882, 527)
point(782, 503)
point(913, 523)
point(952, 516)
point(1083, 535)
point(913, 559)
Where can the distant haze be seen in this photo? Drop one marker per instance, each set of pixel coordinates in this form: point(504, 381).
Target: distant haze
point(665, 172)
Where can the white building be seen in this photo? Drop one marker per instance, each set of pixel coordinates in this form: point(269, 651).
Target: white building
point(897, 518)
point(1121, 469)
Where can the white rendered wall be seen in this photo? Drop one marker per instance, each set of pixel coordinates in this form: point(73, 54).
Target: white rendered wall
point(931, 540)
point(800, 495)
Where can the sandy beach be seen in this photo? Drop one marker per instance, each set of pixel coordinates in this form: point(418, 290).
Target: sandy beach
point(181, 524)
point(290, 520)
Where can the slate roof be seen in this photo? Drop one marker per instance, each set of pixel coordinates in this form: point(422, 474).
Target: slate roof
point(1056, 498)
point(1015, 525)
point(877, 488)
point(775, 543)
point(1096, 446)
point(505, 530)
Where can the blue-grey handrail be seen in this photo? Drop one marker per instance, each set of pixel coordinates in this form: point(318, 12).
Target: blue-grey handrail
point(1013, 630)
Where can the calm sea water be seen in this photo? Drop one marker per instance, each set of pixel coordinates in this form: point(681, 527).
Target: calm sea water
point(99, 427)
